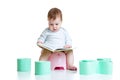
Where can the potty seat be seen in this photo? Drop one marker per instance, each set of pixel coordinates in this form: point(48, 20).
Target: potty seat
point(58, 61)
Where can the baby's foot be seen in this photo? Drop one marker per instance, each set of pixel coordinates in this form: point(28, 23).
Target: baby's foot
point(72, 68)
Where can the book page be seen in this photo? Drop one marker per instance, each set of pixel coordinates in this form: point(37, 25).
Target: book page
point(45, 47)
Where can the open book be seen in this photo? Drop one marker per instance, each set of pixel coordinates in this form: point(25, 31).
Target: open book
point(54, 50)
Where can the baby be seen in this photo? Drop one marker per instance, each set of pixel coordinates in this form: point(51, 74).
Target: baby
point(56, 36)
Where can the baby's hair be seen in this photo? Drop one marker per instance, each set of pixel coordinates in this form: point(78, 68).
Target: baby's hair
point(54, 13)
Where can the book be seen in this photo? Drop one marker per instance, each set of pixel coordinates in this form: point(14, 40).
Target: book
point(54, 50)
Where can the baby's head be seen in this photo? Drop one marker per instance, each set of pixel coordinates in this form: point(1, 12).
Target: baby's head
point(54, 19)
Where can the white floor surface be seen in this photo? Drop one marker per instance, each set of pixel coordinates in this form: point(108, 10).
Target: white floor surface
point(61, 75)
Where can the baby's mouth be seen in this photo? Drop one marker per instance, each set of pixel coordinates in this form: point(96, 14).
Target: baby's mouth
point(54, 29)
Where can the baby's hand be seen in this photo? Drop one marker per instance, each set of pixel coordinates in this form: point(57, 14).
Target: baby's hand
point(67, 46)
point(39, 42)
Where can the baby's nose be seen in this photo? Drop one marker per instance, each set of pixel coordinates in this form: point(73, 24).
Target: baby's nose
point(54, 27)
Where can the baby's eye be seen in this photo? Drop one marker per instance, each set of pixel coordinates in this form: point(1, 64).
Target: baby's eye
point(51, 24)
point(56, 24)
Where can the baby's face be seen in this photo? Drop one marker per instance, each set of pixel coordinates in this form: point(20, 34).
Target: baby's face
point(54, 25)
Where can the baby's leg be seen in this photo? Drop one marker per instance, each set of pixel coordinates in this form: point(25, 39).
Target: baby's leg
point(70, 60)
point(44, 55)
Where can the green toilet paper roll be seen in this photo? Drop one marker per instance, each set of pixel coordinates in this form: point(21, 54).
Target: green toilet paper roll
point(24, 64)
point(104, 66)
point(87, 67)
point(42, 67)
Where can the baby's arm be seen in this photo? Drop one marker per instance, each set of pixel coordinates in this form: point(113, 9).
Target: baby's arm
point(42, 37)
point(68, 41)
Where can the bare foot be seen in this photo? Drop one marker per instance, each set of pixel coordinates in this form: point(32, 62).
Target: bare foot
point(72, 68)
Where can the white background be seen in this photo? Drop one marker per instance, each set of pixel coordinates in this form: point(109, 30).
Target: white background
point(94, 26)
